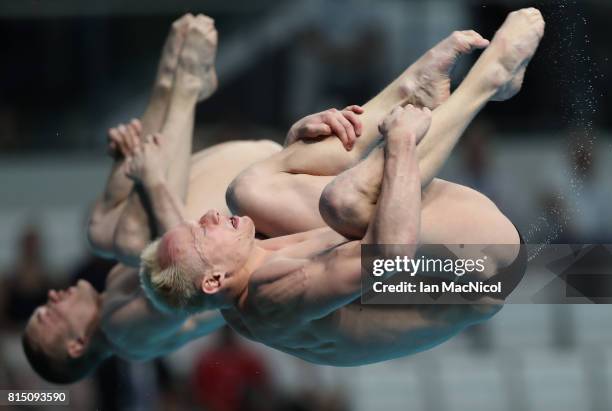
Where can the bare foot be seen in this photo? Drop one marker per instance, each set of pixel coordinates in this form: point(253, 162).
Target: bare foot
point(513, 46)
point(197, 58)
point(427, 82)
point(170, 53)
point(406, 122)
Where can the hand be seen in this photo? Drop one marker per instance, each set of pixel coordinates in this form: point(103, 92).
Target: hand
point(344, 124)
point(146, 165)
point(124, 139)
point(408, 122)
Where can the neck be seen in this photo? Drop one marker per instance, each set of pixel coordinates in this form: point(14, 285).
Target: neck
point(99, 343)
point(240, 279)
point(97, 339)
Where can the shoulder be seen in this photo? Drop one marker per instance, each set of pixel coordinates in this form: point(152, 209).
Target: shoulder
point(122, 276)
point(276, 291)
point(275, 281)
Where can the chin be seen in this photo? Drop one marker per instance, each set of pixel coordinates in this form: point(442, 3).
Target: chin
point(250, 226)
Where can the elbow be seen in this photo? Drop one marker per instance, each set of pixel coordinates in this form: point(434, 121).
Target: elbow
point(99, 235)
point(129, 241)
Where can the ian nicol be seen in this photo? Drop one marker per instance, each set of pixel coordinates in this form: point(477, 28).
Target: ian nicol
point(444, 287)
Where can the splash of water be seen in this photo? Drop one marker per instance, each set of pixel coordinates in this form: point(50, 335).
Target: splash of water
point(575, 71)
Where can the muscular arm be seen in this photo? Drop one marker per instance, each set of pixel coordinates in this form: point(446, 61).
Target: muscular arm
point(162, 205)
point(333, 279)
point(166, 209)
point(397, 214)
point(108, 207)
point(138, 329)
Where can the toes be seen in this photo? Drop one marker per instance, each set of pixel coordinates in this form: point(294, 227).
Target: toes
point(181, 25)
point(476, 39)
point(203, 27)
point(202, 24)
point(534, 12)
point(205, 20)
point(468, 40)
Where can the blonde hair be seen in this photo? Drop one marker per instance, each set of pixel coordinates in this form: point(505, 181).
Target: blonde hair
point(171, 289)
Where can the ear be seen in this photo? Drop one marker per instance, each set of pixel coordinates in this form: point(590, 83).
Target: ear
point(76, 347)
point(212, 282)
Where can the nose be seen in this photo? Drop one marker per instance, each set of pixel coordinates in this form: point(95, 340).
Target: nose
point(211, 217)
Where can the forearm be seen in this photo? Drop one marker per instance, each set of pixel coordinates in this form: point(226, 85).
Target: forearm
point(397, 215)
point(166, 209)
point(396, 220)
point(152, 209)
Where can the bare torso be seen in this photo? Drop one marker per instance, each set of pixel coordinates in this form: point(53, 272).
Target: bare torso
point(355, 334)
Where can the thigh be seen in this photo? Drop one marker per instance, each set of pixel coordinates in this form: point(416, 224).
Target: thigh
point(213, 169)
point(455, 214)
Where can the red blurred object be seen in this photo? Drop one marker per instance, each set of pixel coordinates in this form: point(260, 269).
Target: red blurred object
point(230, 377)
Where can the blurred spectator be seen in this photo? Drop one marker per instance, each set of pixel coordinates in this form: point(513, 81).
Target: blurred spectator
point(28, 280)
point(477, 157)
point(338, 61)
point(230, 377)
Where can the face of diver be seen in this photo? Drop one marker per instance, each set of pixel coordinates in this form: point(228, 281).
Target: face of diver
point(216, 242)
point(61, 325)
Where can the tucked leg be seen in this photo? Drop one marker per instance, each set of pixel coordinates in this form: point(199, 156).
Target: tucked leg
point(194, 79)
point(496, 76)
point(109, 207)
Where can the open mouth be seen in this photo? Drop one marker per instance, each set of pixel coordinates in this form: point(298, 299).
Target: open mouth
point(235, 221)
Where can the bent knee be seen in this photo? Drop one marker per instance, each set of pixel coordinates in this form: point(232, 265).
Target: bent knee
point(344, 210)
point(246, 191)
